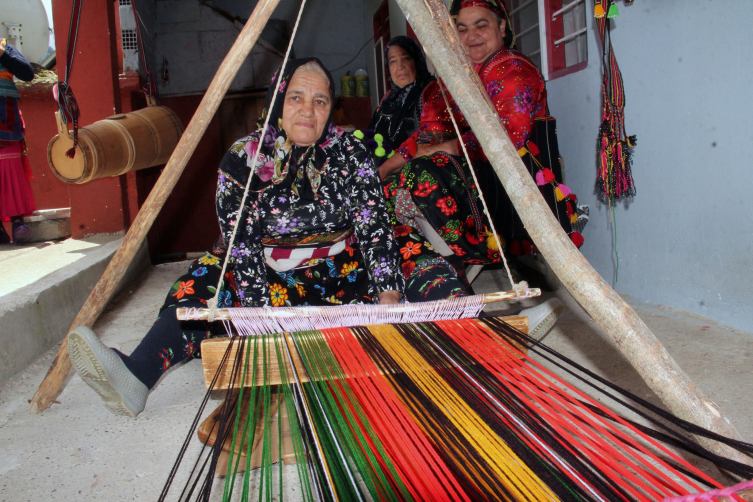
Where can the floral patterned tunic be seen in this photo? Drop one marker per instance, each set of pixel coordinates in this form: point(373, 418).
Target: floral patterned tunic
point(347, 195)
point(517, 90)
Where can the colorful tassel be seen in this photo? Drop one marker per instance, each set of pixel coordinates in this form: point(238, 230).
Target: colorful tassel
point(573, 219)
point(515, 249)
point(527, 248)
point(540, 181)
point(613, 12)
point(533, 148)
point(548, 175)
point(599, 11)
point(577, 239)
point(558, 193)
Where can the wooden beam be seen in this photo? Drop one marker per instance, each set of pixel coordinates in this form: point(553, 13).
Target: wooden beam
point(213, 350)
point(194, 314)
point(54, 381)
point(437, 34)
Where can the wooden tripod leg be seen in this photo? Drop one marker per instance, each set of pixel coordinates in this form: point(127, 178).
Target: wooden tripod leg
point(54, 381)
point(435, 30)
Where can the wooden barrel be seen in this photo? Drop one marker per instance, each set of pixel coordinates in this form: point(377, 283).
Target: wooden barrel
point(115, 145)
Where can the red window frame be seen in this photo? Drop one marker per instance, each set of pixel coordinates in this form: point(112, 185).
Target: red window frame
point(555, 57)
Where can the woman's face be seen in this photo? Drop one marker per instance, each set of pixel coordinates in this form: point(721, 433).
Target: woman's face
point(306, 108)
point(402, 67)
point(480, 32)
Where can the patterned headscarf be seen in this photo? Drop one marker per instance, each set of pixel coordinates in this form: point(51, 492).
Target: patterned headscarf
point(496, 6)
point(282, 162)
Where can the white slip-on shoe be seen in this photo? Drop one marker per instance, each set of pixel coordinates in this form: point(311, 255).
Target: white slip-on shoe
point(541, 318)
point(102, 369)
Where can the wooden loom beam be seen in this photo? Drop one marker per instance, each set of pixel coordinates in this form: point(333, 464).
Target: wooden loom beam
point(431, 22)
point(54, 381)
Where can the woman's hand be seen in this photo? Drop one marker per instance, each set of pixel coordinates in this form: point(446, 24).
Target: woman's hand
point(450, 147)
point(389, 297)
point(391, 165)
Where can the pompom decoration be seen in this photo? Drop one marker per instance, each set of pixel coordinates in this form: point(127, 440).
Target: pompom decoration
point(577, 239)
point(533, 148)
point(540, 179)
point(573, 198)
point(515, 249)
point(548, 175)
point(379, 138)
point(569, 208)
point(358, 134)
point(527, 248)
point(573, 219)
point(379, 152)
point(599, 11)
point(371, 144)
point(613, 12)
point(391, 154)
point(558, 193)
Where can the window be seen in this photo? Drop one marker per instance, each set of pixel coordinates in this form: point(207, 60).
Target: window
point(129, 39)
point(552, 33)
point(381, 24)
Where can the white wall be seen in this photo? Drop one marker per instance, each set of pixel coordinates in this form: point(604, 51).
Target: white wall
point(687, 238)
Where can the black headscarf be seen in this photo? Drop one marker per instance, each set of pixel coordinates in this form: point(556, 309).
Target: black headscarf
point(399, 114)
point(293, 166)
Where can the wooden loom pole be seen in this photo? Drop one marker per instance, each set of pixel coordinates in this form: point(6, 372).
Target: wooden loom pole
point(54, 381)
point(435, 30)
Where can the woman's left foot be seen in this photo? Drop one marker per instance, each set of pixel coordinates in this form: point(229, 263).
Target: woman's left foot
point(21, 234)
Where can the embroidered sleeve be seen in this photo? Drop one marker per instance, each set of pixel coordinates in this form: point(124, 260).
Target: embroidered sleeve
point(16, 64)
point(370, 220)
point(246, 264)
point(434, 119)
point(517, 92)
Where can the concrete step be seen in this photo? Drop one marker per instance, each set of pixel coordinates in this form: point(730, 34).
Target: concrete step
point(42, 288)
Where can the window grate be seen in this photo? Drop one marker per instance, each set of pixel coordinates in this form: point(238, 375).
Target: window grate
point(125, 2)
point(130, 41)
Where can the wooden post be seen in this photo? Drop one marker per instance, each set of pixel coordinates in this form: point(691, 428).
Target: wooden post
point(436, 31)
point(54, 381)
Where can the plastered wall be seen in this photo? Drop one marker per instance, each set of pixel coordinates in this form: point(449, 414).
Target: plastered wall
point(686, 239)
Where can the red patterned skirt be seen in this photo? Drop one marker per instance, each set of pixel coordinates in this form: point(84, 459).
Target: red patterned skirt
point(16, 197)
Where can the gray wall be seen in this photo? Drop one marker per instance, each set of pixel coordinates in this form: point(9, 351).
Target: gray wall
point(195, 39)
point(686, 240)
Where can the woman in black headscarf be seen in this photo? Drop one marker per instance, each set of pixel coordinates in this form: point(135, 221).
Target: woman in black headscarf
point(399, 114)
point(314, 230)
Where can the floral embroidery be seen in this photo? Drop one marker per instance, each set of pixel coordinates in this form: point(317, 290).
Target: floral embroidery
point(184, 288)
point(278, 294)
point(410, 249)
point(447, 205)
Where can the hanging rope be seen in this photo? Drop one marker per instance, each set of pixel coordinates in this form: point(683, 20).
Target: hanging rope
point(212, 304)
point(514, 286)
point(62, 90)
point(150, 88)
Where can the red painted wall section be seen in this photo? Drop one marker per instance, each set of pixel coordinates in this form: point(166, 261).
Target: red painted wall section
point(96, 207)
point(38, 108)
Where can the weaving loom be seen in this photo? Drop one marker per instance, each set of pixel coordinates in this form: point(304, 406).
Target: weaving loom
point(435, 409)
point(443, 410)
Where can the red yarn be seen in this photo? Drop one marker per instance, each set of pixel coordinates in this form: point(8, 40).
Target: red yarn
point(548, 175)
point(527, 248)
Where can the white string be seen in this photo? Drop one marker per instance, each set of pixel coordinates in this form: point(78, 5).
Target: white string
point(257, 321)
point(212, 304)
point(480, 192)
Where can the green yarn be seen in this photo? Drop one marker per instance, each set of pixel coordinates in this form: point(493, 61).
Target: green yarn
point(380, 152)
point(613, 12)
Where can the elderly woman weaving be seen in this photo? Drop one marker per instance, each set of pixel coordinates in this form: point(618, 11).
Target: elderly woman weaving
point(314, 231)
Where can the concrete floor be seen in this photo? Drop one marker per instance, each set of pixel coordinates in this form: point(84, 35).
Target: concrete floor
point(77, 450)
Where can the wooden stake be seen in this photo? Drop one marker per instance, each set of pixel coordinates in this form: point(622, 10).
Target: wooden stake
point(437, 34)
point(54, 381)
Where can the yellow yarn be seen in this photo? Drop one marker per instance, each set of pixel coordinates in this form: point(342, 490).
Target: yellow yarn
point(505, 465)
point(599, 11)
point(558, 193)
